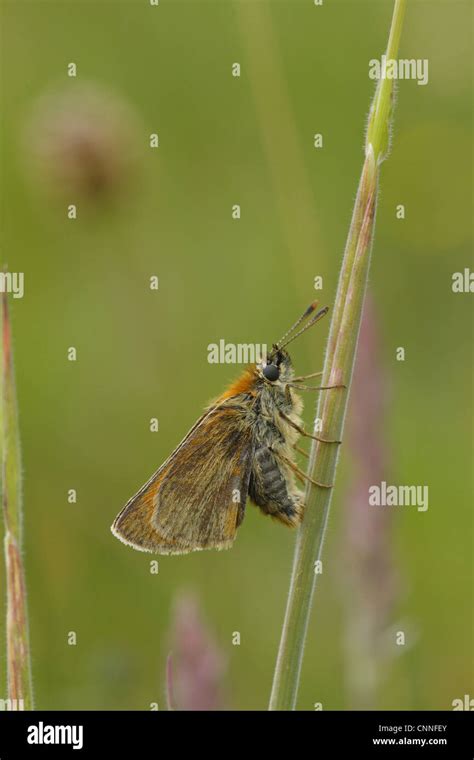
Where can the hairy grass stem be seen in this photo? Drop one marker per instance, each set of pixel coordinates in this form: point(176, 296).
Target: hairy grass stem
point(19, 682)
point(332, 405)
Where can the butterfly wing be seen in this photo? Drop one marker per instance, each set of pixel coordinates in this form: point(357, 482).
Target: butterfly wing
point(196, 500)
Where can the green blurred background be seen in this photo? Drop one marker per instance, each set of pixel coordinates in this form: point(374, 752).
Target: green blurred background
point(143, 354)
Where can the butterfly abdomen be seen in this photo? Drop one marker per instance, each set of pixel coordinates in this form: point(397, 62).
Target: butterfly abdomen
point(271, 485)
point(271, 489)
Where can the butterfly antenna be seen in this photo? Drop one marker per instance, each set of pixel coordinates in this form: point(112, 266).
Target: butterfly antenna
point(312, 307)
point(321, 313)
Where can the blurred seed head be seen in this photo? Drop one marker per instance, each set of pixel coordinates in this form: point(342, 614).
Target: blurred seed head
point(369, 532)
point(371, 584)
point(81, 142)
point(196, 666)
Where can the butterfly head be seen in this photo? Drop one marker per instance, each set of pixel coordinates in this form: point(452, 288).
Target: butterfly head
point(277, 367)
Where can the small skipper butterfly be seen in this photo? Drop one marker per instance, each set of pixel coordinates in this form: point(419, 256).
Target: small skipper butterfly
point(242, 446)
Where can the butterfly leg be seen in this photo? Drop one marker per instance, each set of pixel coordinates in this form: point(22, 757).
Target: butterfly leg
point(301, 451)
point(303, 432)
point(299, 473)
point(307, 377)
point(316, 387)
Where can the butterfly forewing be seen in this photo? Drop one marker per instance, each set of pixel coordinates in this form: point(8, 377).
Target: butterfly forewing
point(197, 498)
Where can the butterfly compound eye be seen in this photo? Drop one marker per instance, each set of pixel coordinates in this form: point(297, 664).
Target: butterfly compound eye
point(271, 372)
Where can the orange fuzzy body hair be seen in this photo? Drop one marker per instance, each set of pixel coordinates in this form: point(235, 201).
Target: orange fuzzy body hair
point(244, 384)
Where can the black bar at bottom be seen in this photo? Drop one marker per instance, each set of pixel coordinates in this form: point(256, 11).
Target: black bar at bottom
point(149, 734)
